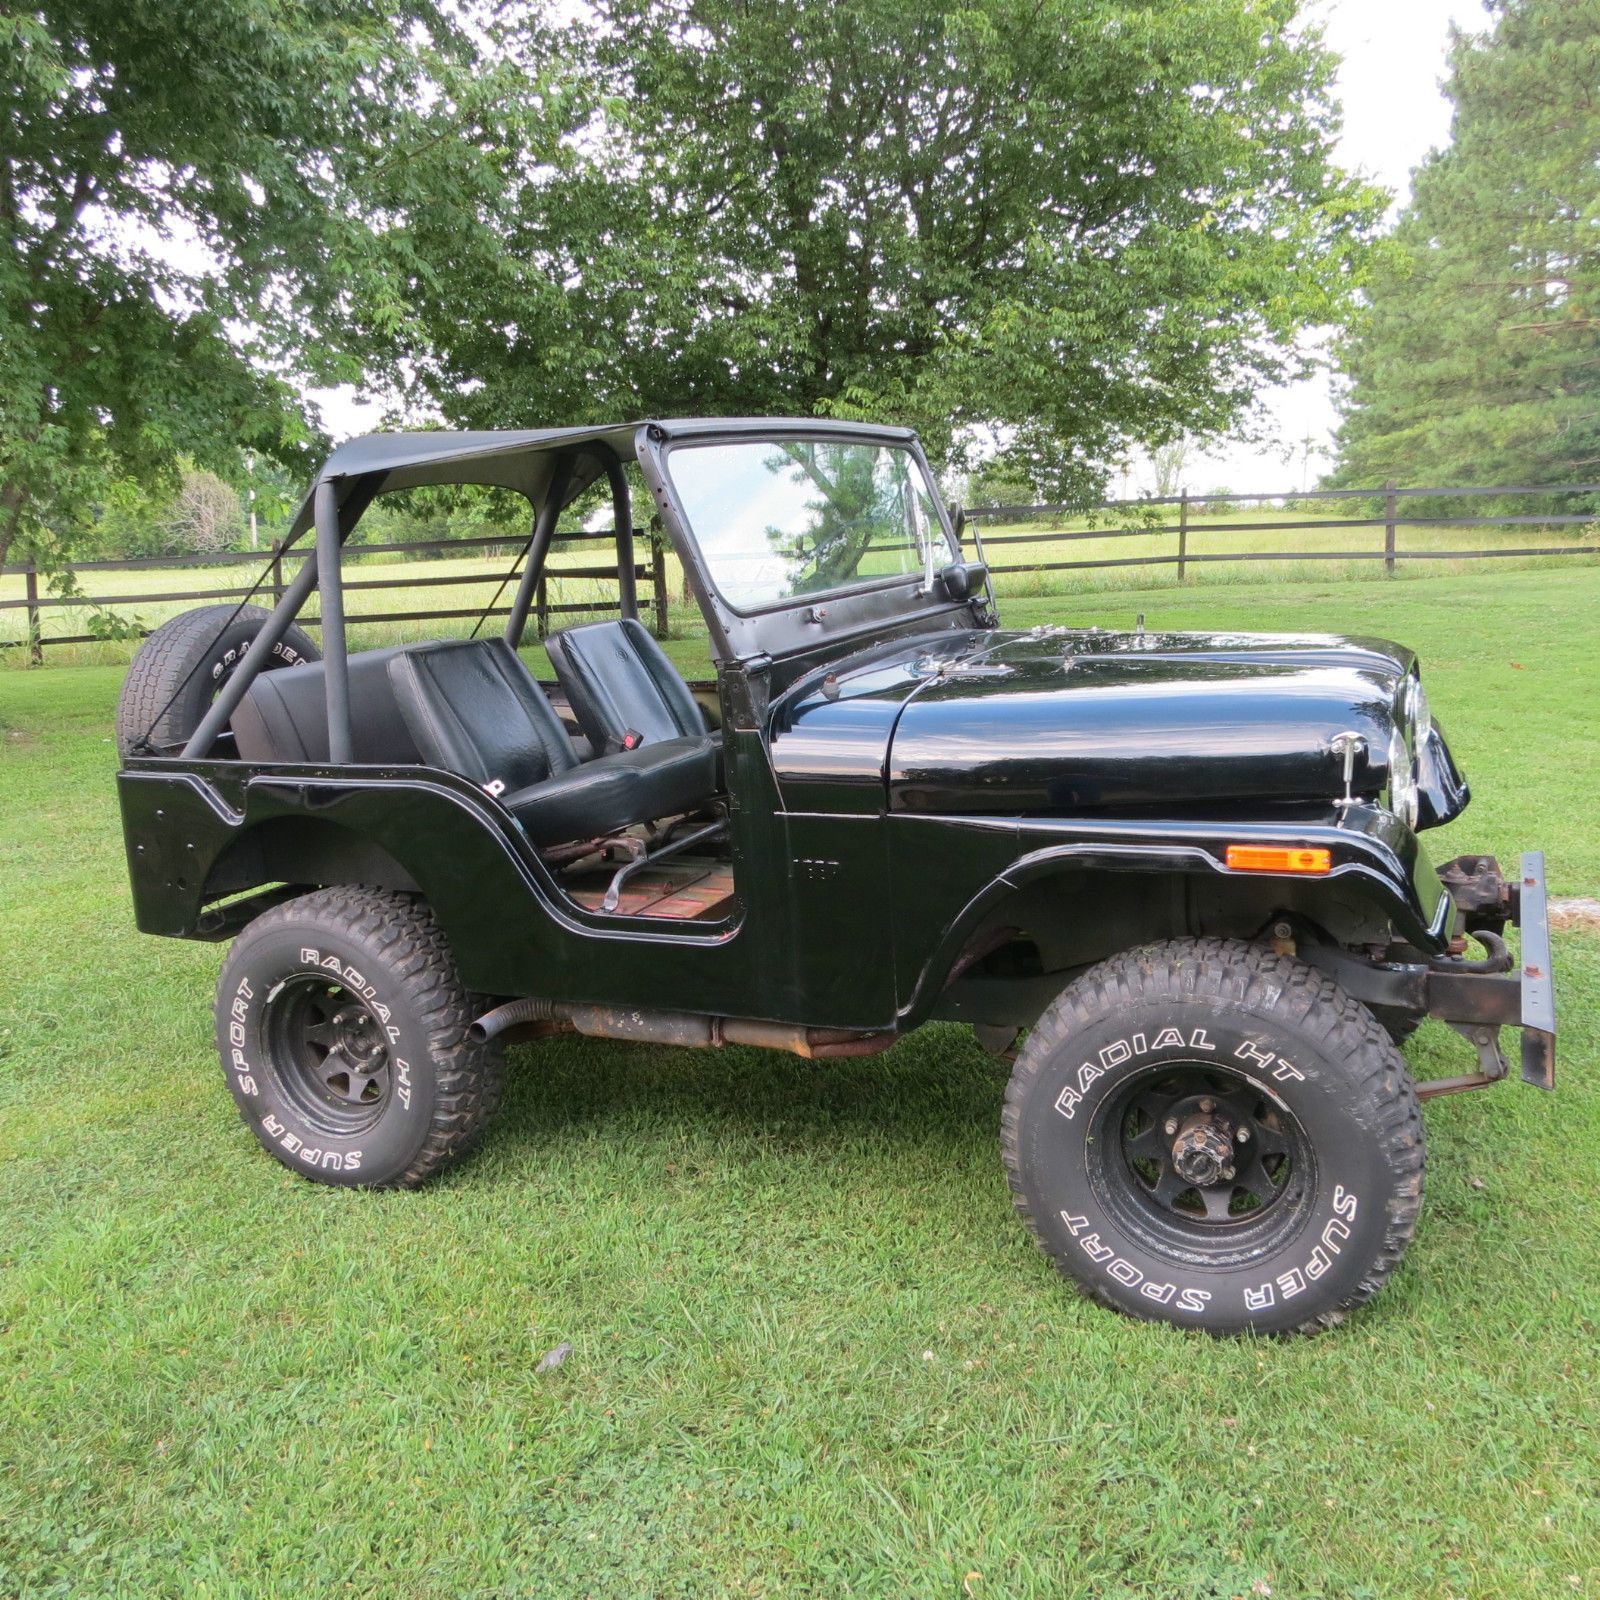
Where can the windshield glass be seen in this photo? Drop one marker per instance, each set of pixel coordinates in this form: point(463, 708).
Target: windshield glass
point(779, 518)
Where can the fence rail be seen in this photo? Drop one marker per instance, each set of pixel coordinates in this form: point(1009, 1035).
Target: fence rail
point(1389, 551)
point(651, 573)
point(1386, 547)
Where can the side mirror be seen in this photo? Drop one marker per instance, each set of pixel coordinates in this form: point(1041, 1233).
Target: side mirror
point(962, 579)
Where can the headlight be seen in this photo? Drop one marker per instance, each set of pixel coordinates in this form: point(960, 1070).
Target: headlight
point(1417, 711)
point(1402, 780)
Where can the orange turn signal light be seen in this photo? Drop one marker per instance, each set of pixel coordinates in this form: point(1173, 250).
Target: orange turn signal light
point(1277, 858)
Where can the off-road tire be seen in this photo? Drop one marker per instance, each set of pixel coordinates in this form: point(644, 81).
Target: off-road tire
point(320, 962)
point(1398, 1024)
point(177, 671)
point(1327, 1086)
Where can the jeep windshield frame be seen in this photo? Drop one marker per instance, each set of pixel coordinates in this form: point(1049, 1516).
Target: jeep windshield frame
point(784, 521)
point(744, 627)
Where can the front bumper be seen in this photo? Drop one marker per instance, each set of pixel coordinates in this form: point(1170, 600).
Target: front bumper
point(1476, 998)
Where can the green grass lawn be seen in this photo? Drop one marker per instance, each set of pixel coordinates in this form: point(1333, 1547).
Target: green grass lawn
point(814, 1352)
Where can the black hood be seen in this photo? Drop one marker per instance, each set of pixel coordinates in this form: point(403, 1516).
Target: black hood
point(1058, 721)
point(1061, 722)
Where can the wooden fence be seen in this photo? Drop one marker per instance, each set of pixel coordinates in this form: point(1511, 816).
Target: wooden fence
point(1385, 545)
point(652, 573)
point(1386, 549)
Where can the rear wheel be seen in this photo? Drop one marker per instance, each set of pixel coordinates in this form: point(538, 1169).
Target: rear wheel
point(342, 1027)
point(1208, 1134)
point(179, 669)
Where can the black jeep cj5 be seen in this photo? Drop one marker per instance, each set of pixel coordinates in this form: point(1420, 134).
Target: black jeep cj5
point(1183, 869)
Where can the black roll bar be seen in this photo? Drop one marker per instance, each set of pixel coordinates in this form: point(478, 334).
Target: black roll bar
point(330, 583)
point(622, 511)
point(271, 635)
point(544, 527)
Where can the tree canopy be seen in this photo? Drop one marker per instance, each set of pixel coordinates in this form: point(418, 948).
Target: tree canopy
point(203, 204)
point(1478, 360)
point(1081, 224)
point(1076, 225)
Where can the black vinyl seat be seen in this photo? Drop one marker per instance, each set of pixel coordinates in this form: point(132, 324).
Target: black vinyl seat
point(473, 708)
point(284, 715)
point(621, 685)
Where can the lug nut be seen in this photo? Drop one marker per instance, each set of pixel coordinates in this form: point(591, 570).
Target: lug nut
point(1172, 1125)
point(1208, 1106)
point(1243, 1135)
point(1227, 1173)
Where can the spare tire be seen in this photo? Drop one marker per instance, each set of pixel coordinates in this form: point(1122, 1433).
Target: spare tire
point(181, 666)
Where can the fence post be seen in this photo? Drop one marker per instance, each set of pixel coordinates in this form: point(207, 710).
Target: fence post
point(1183, 533)
point(35, 637)
point(1388, 529)
point(277, 570)
point(541, 608)
point(658, 582)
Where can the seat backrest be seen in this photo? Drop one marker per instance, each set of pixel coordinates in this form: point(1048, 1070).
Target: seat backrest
point(618, 680)
point(284, 714)
point(474, 708)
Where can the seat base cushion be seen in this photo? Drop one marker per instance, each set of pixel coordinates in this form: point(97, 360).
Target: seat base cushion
point(605, 796)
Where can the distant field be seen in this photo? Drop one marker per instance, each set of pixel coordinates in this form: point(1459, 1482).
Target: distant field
point(1070, 541)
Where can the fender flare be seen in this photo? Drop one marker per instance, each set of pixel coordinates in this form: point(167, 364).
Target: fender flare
point(1378, 877)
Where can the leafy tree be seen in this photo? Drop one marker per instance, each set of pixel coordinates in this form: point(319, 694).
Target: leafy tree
point(202, 202)
point(1479, 358)
point(1094, 222)
point(1167, 462)
point(999, 483)
point(206, 515)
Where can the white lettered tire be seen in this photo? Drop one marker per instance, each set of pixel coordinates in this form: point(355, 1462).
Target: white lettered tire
point(1205, 1133)
point(177, 671)
point(342, 1028)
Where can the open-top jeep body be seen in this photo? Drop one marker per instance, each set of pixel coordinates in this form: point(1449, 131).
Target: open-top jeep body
point(1186, 868)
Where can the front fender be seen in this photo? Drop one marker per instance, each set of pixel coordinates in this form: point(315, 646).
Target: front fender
point(1380, 874)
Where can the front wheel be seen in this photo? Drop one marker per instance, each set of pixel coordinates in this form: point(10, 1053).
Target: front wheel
point(1205, 1133)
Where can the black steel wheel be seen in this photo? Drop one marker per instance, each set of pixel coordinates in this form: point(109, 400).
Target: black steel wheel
point(342, 1027)
point(332, 1052)
point(1212, 1135)
point(1202, 1157)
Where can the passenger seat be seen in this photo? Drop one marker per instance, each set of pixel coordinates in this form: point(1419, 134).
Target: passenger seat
point(622, 688)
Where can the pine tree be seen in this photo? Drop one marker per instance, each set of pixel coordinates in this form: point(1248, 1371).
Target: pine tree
point(1478, 358)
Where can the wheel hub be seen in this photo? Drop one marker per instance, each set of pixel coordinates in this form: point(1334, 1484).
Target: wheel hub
point(358, 1036)
point(1204, 1148)
point(1202, 1153)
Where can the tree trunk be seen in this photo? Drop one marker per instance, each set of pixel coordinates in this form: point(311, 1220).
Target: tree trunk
point(11, 503)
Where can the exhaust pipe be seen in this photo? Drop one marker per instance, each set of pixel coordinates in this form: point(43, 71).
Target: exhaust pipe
point(681, 1029)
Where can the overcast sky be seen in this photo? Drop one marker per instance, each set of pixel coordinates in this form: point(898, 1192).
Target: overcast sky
point(1394, 114)
point(1393, 61)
